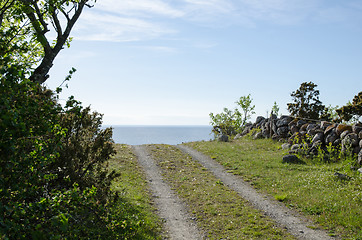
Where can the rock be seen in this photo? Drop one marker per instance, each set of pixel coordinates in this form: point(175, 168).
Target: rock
point(349, 142)
point(359, 159)
point(342, 176)
point(300, 123)
point(356, 150)
point(325, 124)
point(311, 126)
point(275, 136)
point(237, 136)
point(296, 138)
point(331, 137)
point(341, 128)
point(318, 137)
point(259, 119)
point(224, 138)
point(303, 128)
point(258, 135)
point(265, 132)
point(329, 129)
point(357, 128)
point(294, 129)
point(283, 122)
point(360, 143)
point(359, 170)
point(354, 139)
point(283, 131)
point(360, 135)
point(311, 132)
point(292, 159)
point(293, 123)
point(337, 142)
point(344, 134)
point(286, 146)
point(261, 123)
point(245, 131)
point(295, 147)
point(274, 127)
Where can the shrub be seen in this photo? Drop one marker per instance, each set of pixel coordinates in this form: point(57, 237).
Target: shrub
point(53, 178)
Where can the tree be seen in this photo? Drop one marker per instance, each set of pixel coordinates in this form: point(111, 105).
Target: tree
point(231, 122)
point(245, 104)
point(351, 111)
point(29, 20)
point(275, 109)
point(306, 102)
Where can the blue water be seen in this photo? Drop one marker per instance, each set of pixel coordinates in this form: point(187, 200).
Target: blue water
point(137, 135)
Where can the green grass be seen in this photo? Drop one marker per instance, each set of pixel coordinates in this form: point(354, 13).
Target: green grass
point(311, 189)
point(141, 221)
point(220, 212)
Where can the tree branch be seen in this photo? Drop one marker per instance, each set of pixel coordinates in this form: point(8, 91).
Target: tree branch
point(40, 18)
point(40, 74)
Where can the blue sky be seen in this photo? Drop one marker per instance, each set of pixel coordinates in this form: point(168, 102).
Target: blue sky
point(164, 62)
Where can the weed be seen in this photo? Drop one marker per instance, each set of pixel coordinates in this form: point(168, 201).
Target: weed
point(281, 197)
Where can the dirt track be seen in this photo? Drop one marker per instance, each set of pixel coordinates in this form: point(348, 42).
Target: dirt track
point(179, 224)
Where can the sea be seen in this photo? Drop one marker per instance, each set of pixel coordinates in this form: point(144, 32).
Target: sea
point(173, 135)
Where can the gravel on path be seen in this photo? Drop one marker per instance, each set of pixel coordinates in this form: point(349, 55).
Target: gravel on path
point(296, 224)
point(178, 224)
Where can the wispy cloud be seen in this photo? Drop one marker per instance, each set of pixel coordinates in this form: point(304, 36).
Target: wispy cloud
point(135, 20)
point(139, 8)
point(107, 27)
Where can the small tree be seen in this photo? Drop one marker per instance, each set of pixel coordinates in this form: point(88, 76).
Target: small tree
point(248, 109)
point(351, 111)
point(230, 122)
point(306, 102)
point(275, 109)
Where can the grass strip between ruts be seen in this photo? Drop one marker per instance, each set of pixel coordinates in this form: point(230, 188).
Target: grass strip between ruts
point(220, 212)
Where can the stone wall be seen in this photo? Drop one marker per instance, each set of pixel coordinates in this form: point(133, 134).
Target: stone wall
point(316, 134)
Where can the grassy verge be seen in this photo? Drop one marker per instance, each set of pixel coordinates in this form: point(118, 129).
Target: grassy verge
point(219, 211)
point(312, 188)
point(141, 221)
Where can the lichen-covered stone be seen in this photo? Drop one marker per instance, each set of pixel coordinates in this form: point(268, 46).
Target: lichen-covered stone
point(329, 129)
point(259, 119)
point(357, 128)
point(325, 124)
point(283, 131)
point(283, 122)
point(342, 127)
point(330, 137)
point(303, 128)
point(286, 146)
point(318, 137)
point(344, 134)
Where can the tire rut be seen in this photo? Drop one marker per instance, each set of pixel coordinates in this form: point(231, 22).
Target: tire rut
point(178, 224)
point(294, 223)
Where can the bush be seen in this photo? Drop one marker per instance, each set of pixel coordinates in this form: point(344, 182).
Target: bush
point(53, 178)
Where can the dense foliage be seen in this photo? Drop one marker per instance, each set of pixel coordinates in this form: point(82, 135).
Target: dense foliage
point(351, 111)
point(306, 103)
point(232, 122)
point(54, 182)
